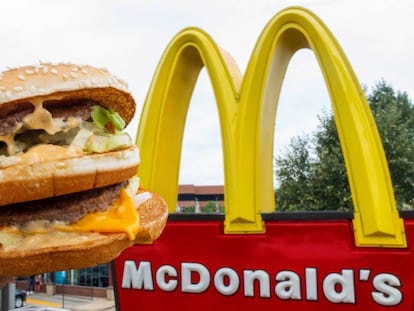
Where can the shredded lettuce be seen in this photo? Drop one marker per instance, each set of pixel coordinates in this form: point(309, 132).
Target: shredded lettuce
point(108, 142)
point(102, 116)
point(92, 139)
point(81, 138)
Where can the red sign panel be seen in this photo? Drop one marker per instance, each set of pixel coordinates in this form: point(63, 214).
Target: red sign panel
point(296, 264)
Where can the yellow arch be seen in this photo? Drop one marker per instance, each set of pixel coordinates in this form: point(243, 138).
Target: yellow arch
point(376, 218)
point(247, 120)
point(163, 117)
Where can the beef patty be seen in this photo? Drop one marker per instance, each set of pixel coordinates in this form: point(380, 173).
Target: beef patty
point(64, 110)
point(67, 208)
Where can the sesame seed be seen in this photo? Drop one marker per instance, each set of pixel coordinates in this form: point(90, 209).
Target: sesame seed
point(84, 71)
point(60, 165)
point(123, 82)
point(54, 71)
point(45, 70)
point(18, 88)
point(29, 71)
point(74, 75)
point(75, 69)
point(21, 77)
point(65, 76)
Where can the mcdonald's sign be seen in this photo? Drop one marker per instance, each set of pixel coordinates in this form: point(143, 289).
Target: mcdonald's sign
point(251, 257)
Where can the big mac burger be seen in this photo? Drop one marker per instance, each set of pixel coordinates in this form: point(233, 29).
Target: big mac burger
point(69, 192)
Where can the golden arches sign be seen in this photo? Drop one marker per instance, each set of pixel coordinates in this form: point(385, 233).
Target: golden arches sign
point(247, 112)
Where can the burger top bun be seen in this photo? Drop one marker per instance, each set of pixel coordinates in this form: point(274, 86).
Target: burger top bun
point(18, 85)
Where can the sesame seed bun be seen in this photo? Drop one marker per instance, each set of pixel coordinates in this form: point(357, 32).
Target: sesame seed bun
point(17, 85)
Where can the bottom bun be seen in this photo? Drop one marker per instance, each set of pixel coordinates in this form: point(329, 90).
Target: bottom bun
point(98, 249)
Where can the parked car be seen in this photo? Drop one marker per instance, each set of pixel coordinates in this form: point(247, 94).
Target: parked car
point(19, 298)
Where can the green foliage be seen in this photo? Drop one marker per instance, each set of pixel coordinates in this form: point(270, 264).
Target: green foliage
point(294, 171)
point(210, 208)
point(394, 114)
point(311, 173)
point(189, 209)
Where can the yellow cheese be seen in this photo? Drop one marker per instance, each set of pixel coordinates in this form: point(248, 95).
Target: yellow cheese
point(120, 217)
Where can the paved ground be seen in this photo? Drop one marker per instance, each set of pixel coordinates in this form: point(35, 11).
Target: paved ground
point(66, 302)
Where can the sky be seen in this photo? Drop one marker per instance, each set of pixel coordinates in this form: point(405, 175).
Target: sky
point(128, 37)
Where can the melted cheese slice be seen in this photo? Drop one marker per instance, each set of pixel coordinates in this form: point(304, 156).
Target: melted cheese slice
point(120, 217)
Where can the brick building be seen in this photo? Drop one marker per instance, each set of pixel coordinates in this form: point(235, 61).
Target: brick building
point(199, 196)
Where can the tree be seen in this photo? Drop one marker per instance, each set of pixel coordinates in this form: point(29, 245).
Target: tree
point(311, 173)
point(394, 114)
point(211, 208)
point(293, 172)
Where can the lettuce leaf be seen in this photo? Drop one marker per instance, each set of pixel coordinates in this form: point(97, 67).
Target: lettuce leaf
point(102, 116)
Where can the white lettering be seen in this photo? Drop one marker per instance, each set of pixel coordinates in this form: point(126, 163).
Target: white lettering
point(387, 294)
point(138, 278)
point(233, 281)
point(187, 271)
point(264, 282)
point(289, 285)
point(311, 284)
point(166, 284)
point(196, 278)
point(345, 281)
